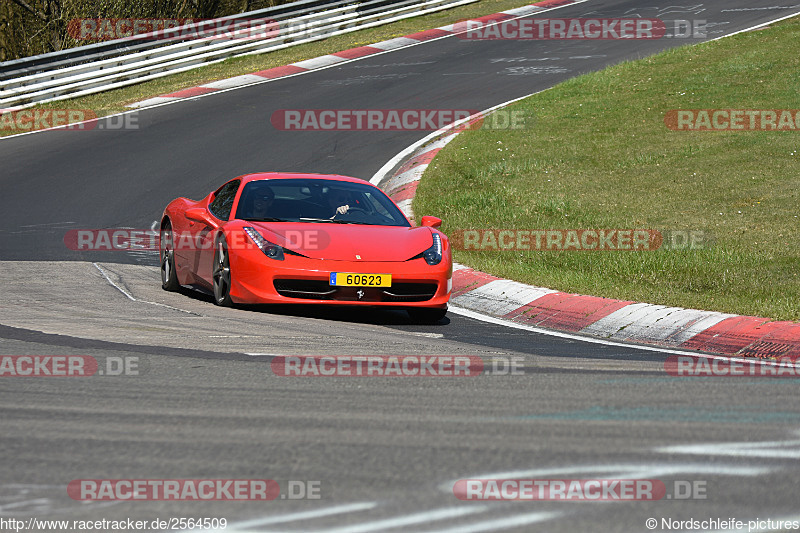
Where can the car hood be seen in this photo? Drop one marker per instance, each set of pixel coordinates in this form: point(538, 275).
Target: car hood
point(348, 242)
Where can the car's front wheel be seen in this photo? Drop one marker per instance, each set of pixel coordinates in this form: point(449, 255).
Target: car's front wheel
point(169, 279)
point(424, 315)
point(221, 274)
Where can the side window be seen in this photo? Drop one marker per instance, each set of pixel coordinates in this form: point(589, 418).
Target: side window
point(222, 204)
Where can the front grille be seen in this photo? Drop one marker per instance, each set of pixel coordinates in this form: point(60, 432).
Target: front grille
point(409, 292)
point(309, 289)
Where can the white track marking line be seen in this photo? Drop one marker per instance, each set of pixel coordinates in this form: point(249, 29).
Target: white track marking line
point(424, 334)
point(108, 279)
point(408, 520)
point(56, 225)
point(751, 28)
point(503, 523)
point(130, 296)
point(761, 450)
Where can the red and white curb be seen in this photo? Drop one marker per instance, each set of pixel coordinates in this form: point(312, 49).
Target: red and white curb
point(658, 325)
point(606, 318)
point(329, 60)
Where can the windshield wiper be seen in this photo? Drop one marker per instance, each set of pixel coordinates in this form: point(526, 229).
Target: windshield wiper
point(265, 219)
point(333, 221)
point(338, 221)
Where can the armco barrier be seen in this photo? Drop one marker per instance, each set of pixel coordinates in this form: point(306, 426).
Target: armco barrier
point(79, 76)
point(108, 49)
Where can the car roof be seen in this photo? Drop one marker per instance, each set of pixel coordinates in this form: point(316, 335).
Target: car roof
point(298, 175)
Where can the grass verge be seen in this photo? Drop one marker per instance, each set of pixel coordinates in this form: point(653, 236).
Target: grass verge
point(111, 102)
point(599, 155)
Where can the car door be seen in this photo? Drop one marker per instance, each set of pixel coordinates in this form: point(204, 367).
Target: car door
point(220, 209)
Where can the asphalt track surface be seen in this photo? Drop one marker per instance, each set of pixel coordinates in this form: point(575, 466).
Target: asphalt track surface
point(385, 451)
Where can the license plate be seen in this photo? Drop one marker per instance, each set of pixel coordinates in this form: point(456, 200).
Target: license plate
point(352, 279)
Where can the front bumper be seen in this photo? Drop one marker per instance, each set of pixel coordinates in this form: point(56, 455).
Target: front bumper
point(300, 280)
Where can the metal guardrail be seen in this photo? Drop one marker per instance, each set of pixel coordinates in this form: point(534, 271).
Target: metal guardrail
point(104, 66)
point(108, 49)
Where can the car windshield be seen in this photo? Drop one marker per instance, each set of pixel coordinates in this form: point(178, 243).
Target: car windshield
point(317, 200)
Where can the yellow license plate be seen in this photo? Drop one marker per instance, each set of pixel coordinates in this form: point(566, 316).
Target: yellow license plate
point(352, 279)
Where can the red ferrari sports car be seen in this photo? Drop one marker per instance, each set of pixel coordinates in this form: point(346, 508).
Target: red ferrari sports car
point(306, 238)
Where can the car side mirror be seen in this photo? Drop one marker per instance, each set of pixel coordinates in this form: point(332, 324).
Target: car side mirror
point(431, 222)
point(199, 214)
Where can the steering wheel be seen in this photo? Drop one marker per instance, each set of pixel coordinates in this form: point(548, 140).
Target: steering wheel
point(350, 211)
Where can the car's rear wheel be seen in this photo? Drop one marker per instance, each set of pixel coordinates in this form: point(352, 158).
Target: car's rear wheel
point(222, 274)
point(426, 316)
point(169, 279)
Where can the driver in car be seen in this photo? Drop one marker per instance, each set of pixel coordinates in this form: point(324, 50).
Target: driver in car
point(339, 201)
point(261, 202)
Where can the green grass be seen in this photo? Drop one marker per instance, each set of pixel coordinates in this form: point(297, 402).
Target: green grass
point(111, 102)
point(598, 155)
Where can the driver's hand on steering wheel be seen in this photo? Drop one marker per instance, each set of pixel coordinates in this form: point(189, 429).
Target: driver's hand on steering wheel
point(342, 209)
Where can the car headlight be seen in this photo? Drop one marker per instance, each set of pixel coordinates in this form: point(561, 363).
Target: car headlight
point(433, 255)
point(273, 251)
